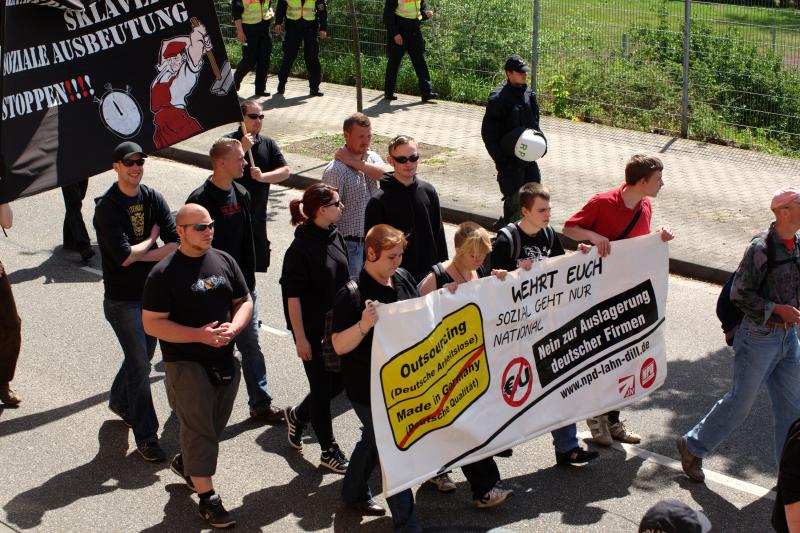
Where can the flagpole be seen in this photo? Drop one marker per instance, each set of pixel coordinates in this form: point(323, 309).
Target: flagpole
point(249, 150)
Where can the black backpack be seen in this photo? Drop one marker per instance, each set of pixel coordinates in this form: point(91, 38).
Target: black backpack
point(729, 315)
point(512, 233)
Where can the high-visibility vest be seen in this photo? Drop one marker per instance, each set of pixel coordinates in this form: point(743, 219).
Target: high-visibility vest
point(254, 11)
point(408, 9)
point(296, 9)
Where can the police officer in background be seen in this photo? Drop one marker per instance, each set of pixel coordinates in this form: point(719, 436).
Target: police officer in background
point(304, 19)
point(403, 33)
point(510, 106)
point(252, 19)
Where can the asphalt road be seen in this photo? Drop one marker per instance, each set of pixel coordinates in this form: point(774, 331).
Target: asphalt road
point(68, 464)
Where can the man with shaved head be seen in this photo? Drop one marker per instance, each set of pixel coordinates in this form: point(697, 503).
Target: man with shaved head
point(230, 206)
point(196, 300)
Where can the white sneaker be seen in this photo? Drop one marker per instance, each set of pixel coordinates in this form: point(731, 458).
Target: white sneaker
point(495, 496)
point(620, 432)
point(601, 433)
point(443, 483)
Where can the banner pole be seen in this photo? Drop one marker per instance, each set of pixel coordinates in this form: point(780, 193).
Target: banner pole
point(249, 150)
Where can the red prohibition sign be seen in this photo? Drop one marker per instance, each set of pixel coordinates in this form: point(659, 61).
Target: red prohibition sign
point(517, 382)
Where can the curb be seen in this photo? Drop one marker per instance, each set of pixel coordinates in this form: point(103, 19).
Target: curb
point(677, 265)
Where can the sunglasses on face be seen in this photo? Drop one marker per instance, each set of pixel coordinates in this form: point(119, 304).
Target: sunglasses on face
point(255, 116)
point(199, 227)
point(403, 159)
point(131, 162)
point(337, 203)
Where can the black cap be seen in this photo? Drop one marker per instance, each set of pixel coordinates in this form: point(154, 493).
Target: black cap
point(516, 64)
point(673, 516)
point(127, 149)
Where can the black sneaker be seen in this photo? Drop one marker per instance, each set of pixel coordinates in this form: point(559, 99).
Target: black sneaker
point(334, 460)
point(430, 96)
point(575, 456)
point(389, 97)
point(152, 452)
point(177, 467)
point(213, 512)
point(316, 92)
point(281, 88)
point(294, 428)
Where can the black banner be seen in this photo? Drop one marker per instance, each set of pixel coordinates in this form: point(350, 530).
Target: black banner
point(77, 83)
point(606, 324)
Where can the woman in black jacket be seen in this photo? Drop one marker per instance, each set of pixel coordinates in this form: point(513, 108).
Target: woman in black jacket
point(314, 269)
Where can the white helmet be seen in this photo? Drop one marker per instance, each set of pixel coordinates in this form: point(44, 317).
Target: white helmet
point(526, 144)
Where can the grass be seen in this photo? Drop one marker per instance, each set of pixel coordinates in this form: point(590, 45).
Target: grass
point(590, 64)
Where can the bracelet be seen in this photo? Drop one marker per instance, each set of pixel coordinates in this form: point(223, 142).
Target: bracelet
point(361, 330)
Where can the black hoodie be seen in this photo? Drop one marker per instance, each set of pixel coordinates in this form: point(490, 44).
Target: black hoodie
point(314, 269)
point(116, 235)
point(415, 211)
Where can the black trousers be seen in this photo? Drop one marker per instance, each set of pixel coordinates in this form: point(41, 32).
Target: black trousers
point(75, 235)
point(305, 32)
point(257, 51)
point(481, 476)
point(511, 179)
point(316, 406)
point(10, 326)
point(414, 44)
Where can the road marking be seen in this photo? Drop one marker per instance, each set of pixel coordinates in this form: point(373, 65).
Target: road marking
point(275, 331)
point(731, 482)
point(92, 270)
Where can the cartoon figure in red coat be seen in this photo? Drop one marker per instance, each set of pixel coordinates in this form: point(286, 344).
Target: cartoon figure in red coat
point(180, 62)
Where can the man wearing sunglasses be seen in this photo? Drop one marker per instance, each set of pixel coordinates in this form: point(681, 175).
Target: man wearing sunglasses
point(196, 301)
point(411, 205)
point(270, 167)
point(129, 218)
point(228, 204)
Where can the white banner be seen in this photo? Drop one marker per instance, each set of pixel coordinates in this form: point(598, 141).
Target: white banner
point(459, 377)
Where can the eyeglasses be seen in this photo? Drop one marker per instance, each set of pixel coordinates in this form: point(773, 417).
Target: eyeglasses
point(255, 116)
point(131, 162)
point(199, 227)
point(403, 159)
point(337, 203)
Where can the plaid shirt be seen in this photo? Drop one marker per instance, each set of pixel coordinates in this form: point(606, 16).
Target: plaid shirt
point(355, 190)
point(782, 286)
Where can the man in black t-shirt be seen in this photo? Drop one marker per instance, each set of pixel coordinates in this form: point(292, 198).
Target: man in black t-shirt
point(197, 301)
point(270, 167)
point(229, 206)
point(786, 513)
point(128, 219)
point(519, 245)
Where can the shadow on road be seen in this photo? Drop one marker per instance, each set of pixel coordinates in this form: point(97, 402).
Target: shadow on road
point(111, 469)
point(59, 267)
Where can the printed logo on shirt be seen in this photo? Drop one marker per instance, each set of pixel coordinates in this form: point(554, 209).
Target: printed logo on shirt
point(136, 214)
point(207, 284)
point(535, 253)
point(230, 210)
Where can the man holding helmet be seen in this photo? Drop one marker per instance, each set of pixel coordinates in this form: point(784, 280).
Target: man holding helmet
point(511, 111)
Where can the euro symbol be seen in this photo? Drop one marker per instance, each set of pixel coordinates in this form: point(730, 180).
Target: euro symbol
point(524, 378)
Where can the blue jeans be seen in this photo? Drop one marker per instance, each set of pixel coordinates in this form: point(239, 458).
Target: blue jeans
point(355, 487)
point(130, 392)
point(566, 438)
point(763, 354)
point(254, 370)
point(355, 257)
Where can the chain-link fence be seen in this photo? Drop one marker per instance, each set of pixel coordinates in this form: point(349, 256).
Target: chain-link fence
point(618, 62)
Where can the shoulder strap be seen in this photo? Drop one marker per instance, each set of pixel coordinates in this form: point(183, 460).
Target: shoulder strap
point(440, 275)
point(633, 222)
point(550, 234)
point(511, 231)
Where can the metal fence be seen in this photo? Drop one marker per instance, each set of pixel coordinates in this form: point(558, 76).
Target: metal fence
point(719, 71)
